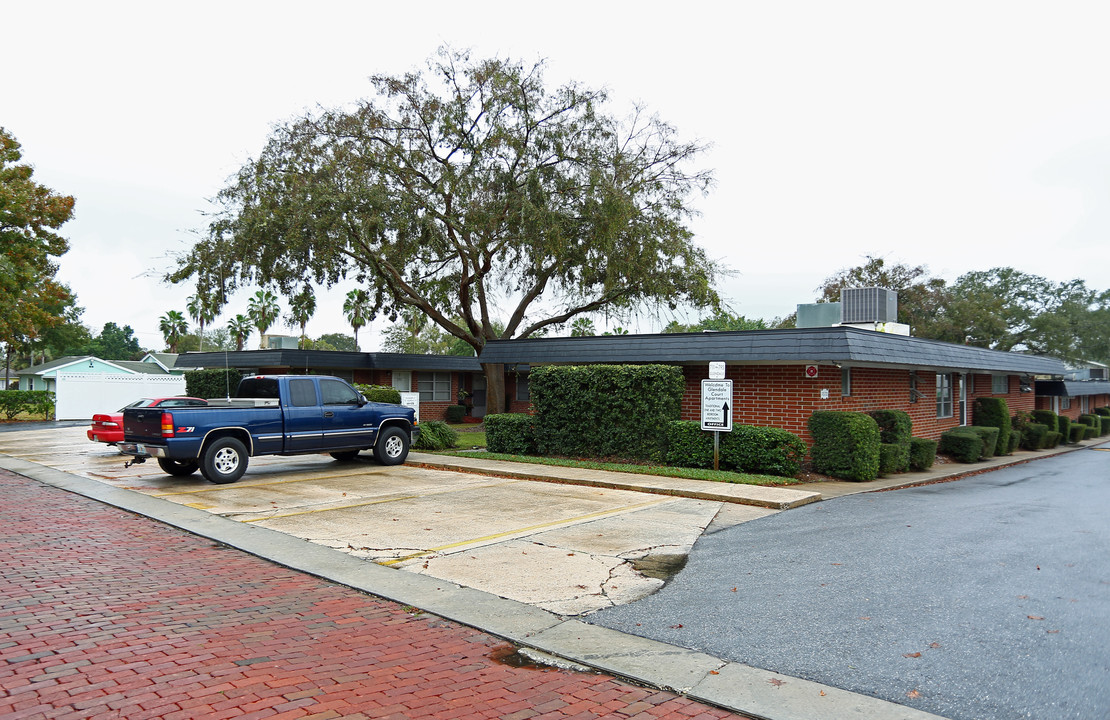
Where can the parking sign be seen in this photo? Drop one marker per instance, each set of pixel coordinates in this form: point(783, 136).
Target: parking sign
point(716, 405)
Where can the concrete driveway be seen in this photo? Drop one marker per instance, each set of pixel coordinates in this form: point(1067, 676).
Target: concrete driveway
point(564, 548)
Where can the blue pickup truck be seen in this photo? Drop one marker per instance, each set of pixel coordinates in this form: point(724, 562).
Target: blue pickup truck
point(269, 415)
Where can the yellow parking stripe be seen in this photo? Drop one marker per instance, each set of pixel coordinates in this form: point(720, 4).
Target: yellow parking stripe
point(601, 513)
point(330, 509)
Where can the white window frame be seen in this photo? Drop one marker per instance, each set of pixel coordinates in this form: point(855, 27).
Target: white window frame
point(945, 404)
point(1000, 384)
point(402, 380)
point(845, 382)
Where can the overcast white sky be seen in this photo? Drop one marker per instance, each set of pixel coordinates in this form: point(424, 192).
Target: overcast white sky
point(960, 135)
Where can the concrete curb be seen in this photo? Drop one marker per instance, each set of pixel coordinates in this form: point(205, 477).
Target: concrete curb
point(733, 686)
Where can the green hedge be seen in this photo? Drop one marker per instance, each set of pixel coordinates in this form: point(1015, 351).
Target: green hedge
point(994, 412)
point(1052, 439)
point(1103, 411)
point(1047, 418)
point(989, 436)
point(895, 426)
point(510, 433)
point(32, 402)
point(923, 452)
point(688, 445)
point(1034, 436)
point(845, 444)
point(209, 384)
point(762, 450)
point(380, 393)
point(964, 446)
point(1077, 432)
point(435, 435)
point(455, 413)
point(894, 458)
point(604, 411)
point(1063, 427)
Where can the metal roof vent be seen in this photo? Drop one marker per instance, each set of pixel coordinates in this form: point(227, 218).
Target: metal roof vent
point(868, 305)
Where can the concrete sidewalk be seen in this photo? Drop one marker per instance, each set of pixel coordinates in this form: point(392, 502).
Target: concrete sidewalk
point(739, 688)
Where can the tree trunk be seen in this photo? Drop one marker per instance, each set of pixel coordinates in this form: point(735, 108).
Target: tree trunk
point(495, 388)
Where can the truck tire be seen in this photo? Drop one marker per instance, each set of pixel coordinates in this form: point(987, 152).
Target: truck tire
point(345, 455)
point(224, 461)
point(178, 468)
point(392, 447)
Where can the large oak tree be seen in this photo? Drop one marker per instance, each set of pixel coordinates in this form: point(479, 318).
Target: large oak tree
point(473, 193)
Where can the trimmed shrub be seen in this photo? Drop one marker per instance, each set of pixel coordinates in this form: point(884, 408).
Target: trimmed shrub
point(1091, 421)
point(1077, 432)
point(1052, 439)
point(895, 426)
point(989, 436)
point(510, 433)
point(435, 435)
point(993, 412)
point(1033, 436)
point(1089, 432)
point(1104, 422)
point(761, 450)
point(1103, 411)
point(893, 458)
point(962, 445)
point(380, 393)
point(688, 445)
point(455, 413)
point(1048, 419)
point(923, 452)
point(32, 402)
point(845, 444)
point(209, 384)
point(1063, 427)
point(605, 410)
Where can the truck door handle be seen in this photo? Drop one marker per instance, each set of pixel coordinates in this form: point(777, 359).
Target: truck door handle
point(329, 413)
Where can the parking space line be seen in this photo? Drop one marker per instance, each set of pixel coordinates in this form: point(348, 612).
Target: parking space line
point(554, 523)
point(329, 509)
point(241, 486)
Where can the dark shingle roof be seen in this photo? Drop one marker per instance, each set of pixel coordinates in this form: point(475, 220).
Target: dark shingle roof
point(842, 345)
point(1073, 388)
point(324, 359)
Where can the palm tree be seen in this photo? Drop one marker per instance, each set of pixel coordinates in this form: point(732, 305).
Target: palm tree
point(356, 307)
point(173, 325)
point(202, 309)
point(240, 328)
point(263, 310)
point(302, 307)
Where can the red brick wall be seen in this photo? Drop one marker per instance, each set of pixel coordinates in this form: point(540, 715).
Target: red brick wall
point(782, 396)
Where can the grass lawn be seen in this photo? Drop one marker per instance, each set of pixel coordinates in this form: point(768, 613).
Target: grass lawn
point(689, 473)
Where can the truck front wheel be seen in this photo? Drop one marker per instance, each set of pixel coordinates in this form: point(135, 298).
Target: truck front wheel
point(392, 447)
point(224, 461)
point(177, 468)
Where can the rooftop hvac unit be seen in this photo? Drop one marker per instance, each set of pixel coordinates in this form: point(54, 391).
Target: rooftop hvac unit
point(868, 305)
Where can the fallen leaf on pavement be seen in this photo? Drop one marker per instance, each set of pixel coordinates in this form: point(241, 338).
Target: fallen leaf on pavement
point(911, 655)
point(913, 694)
point(1035, 617)
point(776, 682)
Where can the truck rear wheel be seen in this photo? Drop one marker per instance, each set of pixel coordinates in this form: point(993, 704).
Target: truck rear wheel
point(177, 468)
point(392, 447)
point(224, 461)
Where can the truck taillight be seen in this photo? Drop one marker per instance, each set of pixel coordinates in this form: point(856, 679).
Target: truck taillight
point(167, 425)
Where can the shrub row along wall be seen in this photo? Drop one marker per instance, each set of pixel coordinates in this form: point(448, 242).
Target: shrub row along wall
point(604, 410)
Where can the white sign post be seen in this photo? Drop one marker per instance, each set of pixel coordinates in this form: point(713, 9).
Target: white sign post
point(716, 411)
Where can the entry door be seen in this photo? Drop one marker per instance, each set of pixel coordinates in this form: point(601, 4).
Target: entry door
point(479, 396)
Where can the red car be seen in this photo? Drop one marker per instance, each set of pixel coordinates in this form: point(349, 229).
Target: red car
point(108, 427)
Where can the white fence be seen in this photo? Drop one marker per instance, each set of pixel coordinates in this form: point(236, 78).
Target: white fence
point(80, 395)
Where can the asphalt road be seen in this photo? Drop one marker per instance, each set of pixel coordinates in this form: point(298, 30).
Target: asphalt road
point(985, 598)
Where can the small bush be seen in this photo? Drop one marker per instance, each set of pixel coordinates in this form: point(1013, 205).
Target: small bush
point(1063, 427)
point(510, 433)
point(1089, 432)
point(1103, 411)
point(994, 412)
point(845, 444)
point(380, 393)
point(1076, 432)
point(1090, 421)
point(922, 453)
point(455, 413)
point(762, 450)
point(962, 445)
point(895, 426)
point(435, 435)
point(1047, 418)
point(688, 445)
point(1104, 424)
point(1052, 439)
point(1034, 436)
point(893, 458)
point(32, 402)
point(989, 436)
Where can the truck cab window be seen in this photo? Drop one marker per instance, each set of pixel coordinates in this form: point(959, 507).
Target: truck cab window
point(338, 393)
point(302, 393)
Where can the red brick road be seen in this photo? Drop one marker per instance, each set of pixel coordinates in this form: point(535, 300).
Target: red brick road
point(104, 614)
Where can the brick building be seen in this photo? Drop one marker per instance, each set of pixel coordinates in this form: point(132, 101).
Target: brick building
point(780, 377)
point(1072, 398)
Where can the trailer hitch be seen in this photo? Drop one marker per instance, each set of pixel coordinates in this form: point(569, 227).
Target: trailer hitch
point(134, 461)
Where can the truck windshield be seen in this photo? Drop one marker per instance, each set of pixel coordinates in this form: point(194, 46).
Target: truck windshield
point(258, 388)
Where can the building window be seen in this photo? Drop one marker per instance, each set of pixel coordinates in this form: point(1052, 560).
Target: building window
point(522, 393)
point(434, 386)
point(1065, 403)
point(845, 382)
point(1000, 384)
point(402, 380)
point(944, 395)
